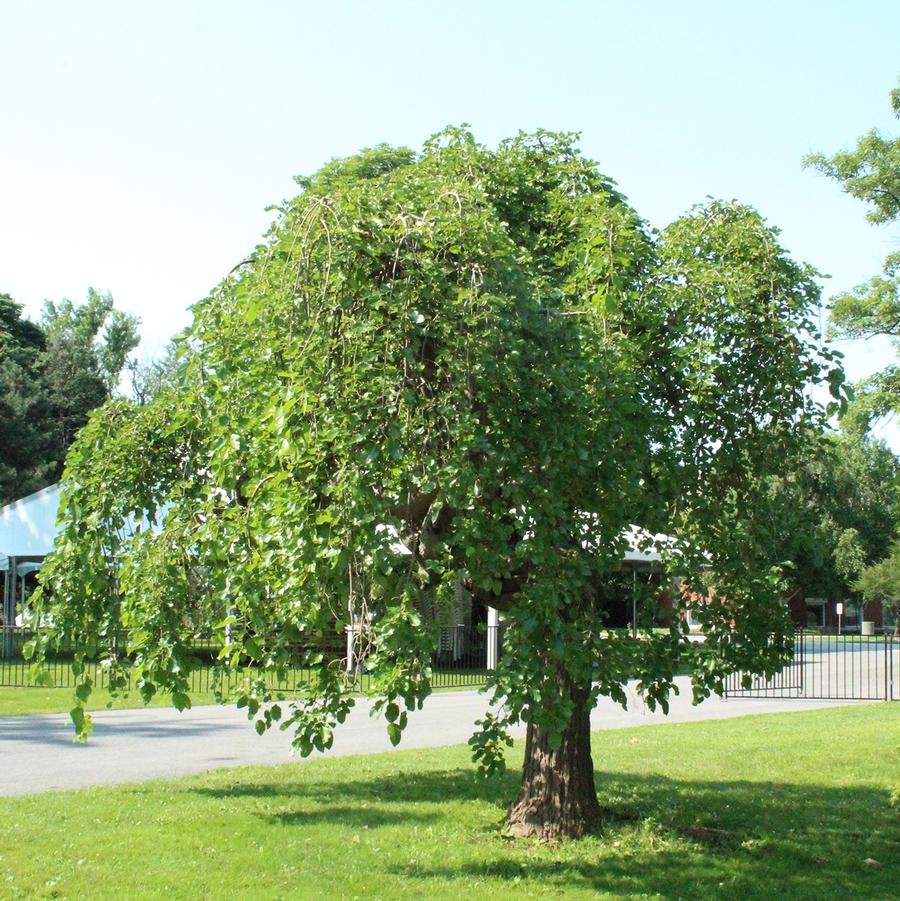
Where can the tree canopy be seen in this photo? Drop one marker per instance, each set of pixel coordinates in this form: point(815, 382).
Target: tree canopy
point(834, 513)
point(881, 582)
point(871, 173)
point(24, 466)
point(52, 373)
point(454, 370)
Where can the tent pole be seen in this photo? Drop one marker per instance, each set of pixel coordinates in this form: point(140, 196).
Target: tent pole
point(4, 649)
point(12, 596)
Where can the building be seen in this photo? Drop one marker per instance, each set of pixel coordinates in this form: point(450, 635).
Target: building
point(822, 614)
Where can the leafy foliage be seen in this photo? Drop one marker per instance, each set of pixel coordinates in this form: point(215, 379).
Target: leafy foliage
point(52, 374)
point(834, 513)
point(23, 464)
point(881, 582)
point(459, 370)
point(871, 173)
point(152, 377)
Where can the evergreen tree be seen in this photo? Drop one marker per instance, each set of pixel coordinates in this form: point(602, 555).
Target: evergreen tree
point(52, 374)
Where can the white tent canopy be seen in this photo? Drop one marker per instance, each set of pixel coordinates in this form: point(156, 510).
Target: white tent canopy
point(28, 526)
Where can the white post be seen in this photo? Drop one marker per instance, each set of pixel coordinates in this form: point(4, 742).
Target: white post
point(228, 613)
point(493, 637)
point(350, 630)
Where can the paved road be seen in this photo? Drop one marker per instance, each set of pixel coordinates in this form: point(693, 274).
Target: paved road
point(837, 669)
point(37, 752)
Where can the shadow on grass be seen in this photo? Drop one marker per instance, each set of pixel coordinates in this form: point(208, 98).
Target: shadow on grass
point(667, 838)
point(368, 799)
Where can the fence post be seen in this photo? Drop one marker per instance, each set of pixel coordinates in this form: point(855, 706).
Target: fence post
point(888, 667)
point(493, 637)
point(893, 638)
point(802, 663)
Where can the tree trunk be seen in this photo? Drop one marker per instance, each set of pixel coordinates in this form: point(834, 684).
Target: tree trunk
point(558, 798)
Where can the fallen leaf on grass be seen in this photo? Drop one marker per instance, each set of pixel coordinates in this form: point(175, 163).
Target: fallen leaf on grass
point(871, 862)
point(821, 861)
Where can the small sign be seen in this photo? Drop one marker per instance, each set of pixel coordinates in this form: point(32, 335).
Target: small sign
point(839, 606)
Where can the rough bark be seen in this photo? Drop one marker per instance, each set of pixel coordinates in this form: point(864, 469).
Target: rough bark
point(558, 798)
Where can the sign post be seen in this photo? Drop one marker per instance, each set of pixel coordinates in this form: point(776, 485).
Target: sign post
point(839, 606)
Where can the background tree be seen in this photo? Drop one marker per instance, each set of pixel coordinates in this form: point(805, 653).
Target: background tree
point(152, 377)
point(24, 463)
point(835, 513)
point(871, 173)
point(881, 582)
point(87, 347)
point(52, 374)
point(457, 369)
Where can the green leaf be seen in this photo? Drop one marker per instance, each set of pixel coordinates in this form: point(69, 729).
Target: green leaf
point(41, 676)
point(84, 724)
point(83, 691)
point(180, 700)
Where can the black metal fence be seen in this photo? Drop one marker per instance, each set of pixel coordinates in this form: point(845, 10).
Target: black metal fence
point(460, 659)
point(830, 667)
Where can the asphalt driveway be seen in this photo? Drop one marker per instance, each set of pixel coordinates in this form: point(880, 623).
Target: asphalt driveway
point(37, 753)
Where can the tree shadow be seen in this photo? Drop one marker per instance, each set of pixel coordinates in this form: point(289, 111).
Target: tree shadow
point(42, 730)
point(662, 837)
point(416, 787)
point(372, 802)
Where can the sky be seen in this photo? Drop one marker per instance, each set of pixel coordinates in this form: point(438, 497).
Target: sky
point(141, 143)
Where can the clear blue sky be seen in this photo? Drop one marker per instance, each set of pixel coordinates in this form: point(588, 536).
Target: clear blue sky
point(140, 143)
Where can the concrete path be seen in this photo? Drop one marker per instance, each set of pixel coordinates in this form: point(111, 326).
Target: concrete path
point(37, 752)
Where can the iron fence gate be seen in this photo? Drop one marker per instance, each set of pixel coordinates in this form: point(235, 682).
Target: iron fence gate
point(830, 667)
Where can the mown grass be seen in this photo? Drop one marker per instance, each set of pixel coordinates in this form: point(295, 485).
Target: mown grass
point(786, 806)
point(28, 701)
point(24, 701)
point(21, 700)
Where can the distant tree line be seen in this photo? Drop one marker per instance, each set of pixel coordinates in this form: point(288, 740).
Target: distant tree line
point(835, 514)
point(52, 374)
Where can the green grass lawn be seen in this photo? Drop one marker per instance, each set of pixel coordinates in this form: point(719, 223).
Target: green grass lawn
point(26, 701)
point(780, 806)
point(23, 700)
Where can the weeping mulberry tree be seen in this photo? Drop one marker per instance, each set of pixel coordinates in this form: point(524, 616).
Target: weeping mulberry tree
point(461, 370)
